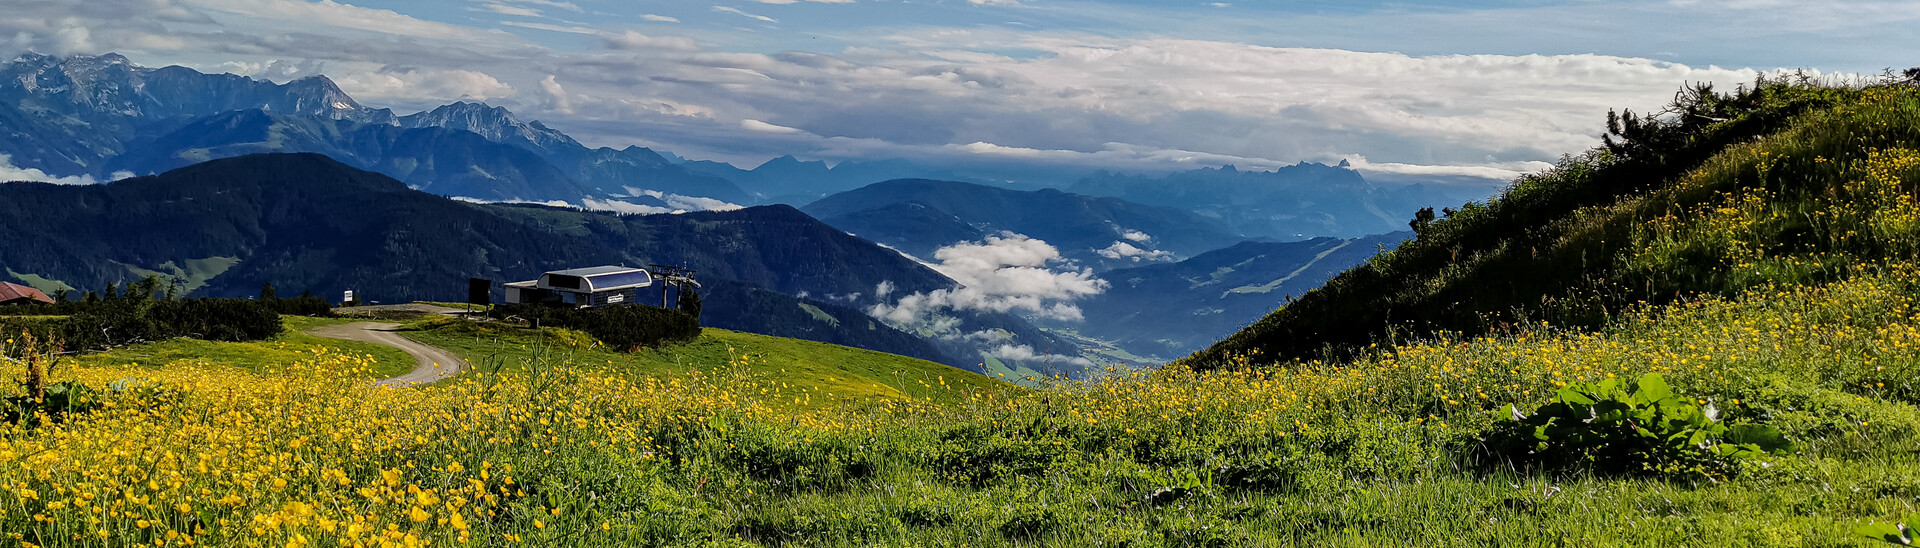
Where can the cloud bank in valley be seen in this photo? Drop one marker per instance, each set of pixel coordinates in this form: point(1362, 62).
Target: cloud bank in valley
point(1008, 272)
point(10, 173)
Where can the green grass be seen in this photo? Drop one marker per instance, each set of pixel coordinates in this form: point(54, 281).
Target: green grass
point(291, 346)
point(45, 285)
point(462, 306)
point(831, 372)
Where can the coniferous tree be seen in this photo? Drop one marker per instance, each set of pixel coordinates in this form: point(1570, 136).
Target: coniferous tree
point(689, 302)
point(143, 289)
point(113, 292)
point(60, 295)
point(267, 293)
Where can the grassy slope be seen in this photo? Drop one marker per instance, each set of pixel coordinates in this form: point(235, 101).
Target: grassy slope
point(826, 371)
point(1562, 245)
point(291, 346)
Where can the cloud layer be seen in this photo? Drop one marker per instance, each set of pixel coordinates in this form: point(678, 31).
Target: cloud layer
point(1131, 87)
point(1005, 273)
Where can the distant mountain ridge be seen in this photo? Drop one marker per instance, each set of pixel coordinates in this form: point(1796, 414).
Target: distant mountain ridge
point(919, 216)
point(1166, 311)
point(308, 222)
point(101, 115)
point(1290, 203)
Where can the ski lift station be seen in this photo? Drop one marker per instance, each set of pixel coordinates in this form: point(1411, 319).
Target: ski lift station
point(582, 287)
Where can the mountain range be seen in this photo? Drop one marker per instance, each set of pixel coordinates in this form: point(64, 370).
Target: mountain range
point(1165, 311)
point(1290, 203)
point(306, 222)
point(920, 216)
point(102, 115)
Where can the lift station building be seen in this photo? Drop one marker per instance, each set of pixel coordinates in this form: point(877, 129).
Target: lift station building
point(582, 287)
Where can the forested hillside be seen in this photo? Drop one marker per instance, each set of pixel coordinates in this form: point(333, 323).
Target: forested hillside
point(304, 222)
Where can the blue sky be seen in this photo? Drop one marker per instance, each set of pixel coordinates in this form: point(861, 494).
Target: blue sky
point(1449, 88)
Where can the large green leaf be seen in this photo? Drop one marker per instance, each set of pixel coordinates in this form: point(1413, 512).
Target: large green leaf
point(1768, 438)
point(1884, 532)
point(1574, 397)
point(1653, 388)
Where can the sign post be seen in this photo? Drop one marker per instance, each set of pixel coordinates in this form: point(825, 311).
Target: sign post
point(479, 293)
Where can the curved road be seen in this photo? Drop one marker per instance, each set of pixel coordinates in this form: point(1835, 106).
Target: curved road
point(434, 364)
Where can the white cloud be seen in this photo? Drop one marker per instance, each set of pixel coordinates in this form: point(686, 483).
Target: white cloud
point(660, 18)
point(550, 203)
point(569, 6)
point(556, 100)
point(411, 82)
point(327, 12)
point(9, 174)
point(736, 11)
point(763, 127)
point(685, 203)
point(1500, 171)
point(631, 40)
point(504, 9)
point(278, 70)
point(1124, 250)
point(1025, 353)
point(569, 29)
point(72, 38)
point(627, 208)
point(994, 2)
point(1005, 273)
point(1136, 236)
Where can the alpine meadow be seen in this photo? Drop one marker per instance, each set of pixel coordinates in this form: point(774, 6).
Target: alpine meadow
point(1705, 332)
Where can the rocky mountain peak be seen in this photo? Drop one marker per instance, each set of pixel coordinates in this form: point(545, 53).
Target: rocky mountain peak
point(494, 123)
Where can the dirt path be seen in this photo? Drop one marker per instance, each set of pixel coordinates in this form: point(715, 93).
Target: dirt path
point(434, 364)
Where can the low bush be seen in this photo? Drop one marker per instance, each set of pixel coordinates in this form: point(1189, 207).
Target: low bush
point(1651, 431)
point(106, 324)
point(300, 306)
point(627, 328)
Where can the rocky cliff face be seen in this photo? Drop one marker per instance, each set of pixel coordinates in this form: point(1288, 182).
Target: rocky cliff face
point(110, 85)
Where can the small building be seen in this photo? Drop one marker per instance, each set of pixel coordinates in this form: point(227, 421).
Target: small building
point(12, 293)
point(582, 287)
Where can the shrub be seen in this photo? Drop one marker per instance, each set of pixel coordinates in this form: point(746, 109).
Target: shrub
point(230, 320)
point(106, 324)
point(626, 328)
point(1651, 431)
point(300, 306)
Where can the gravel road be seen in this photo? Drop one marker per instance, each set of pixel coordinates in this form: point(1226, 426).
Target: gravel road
point(434, 364)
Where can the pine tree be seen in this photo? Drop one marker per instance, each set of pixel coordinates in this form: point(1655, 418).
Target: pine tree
point(689, 302)
point(267, 293)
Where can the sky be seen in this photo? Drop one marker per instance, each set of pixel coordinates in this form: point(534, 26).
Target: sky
point(1456, 87)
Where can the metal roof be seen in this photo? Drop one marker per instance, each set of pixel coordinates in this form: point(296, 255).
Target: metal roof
point(12, 292)
point(620, 280)
point(592, 271)
point(597, 278)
